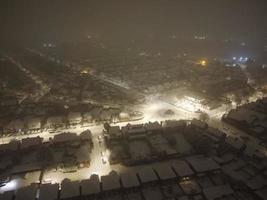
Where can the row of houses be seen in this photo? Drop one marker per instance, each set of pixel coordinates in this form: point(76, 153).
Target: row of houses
point(211, 141)
point(196, 177)
point(252, 118)
point(35, 142)
point(46, 153)
point(71, 119)
point(113, 183)
point(141, 143)
point(133, 131)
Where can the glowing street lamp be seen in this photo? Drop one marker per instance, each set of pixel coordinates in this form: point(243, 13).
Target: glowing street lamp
point(203, 62)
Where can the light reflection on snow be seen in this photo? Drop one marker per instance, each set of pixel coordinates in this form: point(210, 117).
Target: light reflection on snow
point(11, 185)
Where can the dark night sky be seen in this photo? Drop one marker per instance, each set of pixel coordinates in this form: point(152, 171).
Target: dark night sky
point(36, 20)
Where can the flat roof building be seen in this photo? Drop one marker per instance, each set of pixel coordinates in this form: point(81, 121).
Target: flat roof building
point(245, 115)
point(165, 172)
point(28, 193)
point(153, 127)
point(114, 132)
point(49, 192)
point(65, 138)
point(173, 125)
point(235, 143)
point(110, 182)
point(152, 193)
point(132, 131)
point(34, 123)
point(9, 147)
point(212, 132)
point(15, 125)
point(129, 180)
point(202, 164)
point(90, 186)
point(87, 117)
point(217, 192)
point(182, 169)
point(147, 175)
point(86, 135)
point(23, 168)
point(69, 189)
point(54, 121)
point(27, 143)
point(74, 118)
point(198, 124)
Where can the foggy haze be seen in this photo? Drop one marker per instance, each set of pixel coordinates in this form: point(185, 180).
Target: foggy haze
point(37, 21)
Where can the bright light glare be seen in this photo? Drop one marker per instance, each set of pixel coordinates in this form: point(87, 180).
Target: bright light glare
point(11, 185)
point(189, 104)
point(203, 62)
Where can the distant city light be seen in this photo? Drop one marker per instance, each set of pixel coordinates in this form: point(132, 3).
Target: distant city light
point(203, 62)
point(84, 72)
point(240, 59)
point(197, 37)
